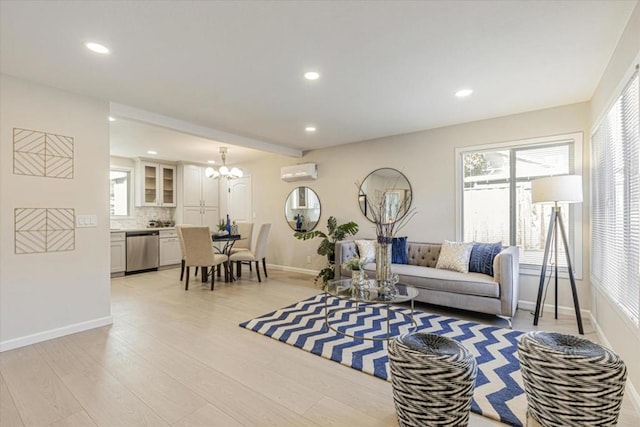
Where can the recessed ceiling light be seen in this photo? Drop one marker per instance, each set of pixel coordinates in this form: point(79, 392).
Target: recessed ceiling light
point(211, 162)
point(464, 92)
point(97, 48)
point(152, 152)
point(111, 119)
point(311, 75)
point(310, 129)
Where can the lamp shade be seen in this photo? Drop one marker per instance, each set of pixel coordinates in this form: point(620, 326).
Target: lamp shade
point(561, 188)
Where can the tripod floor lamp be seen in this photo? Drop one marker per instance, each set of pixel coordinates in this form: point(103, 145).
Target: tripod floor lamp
point(555, 189)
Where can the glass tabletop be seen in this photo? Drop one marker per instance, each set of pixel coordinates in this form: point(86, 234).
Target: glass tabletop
point(344, 289)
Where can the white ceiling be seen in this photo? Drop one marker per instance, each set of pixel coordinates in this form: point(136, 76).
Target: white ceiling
point(386, 67)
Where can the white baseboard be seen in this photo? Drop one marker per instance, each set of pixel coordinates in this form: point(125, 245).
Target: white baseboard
point(54, 333)
point(549, 308)
point(633, 393)
point(293, 269)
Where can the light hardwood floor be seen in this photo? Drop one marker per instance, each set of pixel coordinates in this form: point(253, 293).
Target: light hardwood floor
point(176, 358)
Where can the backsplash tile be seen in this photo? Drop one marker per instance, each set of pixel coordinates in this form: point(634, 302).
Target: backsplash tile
point(142, 215)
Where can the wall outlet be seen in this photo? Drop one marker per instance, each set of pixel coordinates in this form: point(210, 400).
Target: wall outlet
point(308, 259)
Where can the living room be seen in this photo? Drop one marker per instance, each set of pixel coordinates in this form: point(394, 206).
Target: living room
point(77, 292)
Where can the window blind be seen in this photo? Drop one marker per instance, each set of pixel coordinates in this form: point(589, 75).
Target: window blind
point(615, 202)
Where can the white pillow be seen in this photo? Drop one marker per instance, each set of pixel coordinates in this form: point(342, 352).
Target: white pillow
point(455, 256)
point(367, 250)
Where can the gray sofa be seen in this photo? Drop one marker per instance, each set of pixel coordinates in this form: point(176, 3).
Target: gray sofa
point(478, 292)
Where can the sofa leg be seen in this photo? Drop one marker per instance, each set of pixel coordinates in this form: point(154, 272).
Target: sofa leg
point(508, 319)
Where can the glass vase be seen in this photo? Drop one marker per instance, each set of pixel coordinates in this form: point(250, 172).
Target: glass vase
point(359, 279)
point(383, 261)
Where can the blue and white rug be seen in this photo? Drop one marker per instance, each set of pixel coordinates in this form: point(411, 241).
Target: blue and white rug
point(499, 392)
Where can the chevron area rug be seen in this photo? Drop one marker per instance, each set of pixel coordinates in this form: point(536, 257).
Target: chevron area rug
point(499, 392)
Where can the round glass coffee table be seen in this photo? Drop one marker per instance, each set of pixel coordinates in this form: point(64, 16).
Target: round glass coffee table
point(364, 298)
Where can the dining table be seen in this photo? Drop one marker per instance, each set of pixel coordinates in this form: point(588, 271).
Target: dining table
point(227, 240)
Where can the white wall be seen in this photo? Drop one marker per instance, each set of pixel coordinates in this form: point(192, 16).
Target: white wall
point(427, 159)
point(619, 332)
point(51, 294)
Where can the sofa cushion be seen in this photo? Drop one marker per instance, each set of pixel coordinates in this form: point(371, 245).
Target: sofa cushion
point(399, 250)
point(423, 254)
point(367, 249)
point(455, 256)
point(443, 280)
point(482, 256)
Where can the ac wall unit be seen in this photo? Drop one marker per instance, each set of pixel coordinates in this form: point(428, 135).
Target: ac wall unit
point(302, 172)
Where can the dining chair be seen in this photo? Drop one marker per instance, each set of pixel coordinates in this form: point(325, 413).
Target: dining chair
point(181, 240)
point(245, 230)
point(199, 252)
point(256, 255)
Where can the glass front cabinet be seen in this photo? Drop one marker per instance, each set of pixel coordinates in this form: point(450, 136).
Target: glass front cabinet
point(156, 184)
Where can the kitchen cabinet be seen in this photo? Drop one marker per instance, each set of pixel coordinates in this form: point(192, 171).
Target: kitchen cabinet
point(197, 189)
point(118, 252)
point(197, 197)
point(156, 184)
point(170, 253)
point(195, 215)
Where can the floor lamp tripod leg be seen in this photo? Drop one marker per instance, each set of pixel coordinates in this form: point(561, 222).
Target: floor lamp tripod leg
point(543, 273)
point(574, 291)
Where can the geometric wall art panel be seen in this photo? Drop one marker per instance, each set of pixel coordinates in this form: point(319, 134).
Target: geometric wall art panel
point(40, 230)
point(42, 154)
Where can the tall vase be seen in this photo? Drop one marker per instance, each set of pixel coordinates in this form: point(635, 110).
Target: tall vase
point(383, 260)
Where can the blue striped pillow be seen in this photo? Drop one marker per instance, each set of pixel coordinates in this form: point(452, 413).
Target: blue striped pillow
point(482, 256)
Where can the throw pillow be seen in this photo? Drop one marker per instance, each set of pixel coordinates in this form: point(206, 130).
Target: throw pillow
point(482, 255)
point(455, 256)
point(399, 250)
point(367, 250)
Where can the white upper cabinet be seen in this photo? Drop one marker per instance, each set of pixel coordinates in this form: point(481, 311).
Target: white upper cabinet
point(192, 185)
point(197, 197)
point(198, 190)
point(156, 184)
point(209, 191)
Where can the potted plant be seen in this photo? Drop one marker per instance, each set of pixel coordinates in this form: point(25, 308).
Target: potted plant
point(358, 275)
point(354, 264)
point(222, 227)
point(327, 246)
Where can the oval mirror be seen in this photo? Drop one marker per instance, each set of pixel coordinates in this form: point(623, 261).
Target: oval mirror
point(302, 209)
point(385, 195)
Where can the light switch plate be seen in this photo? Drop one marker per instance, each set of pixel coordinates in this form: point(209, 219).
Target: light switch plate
point(84, 221)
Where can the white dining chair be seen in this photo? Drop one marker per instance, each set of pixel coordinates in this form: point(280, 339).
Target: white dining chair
point(256, 255)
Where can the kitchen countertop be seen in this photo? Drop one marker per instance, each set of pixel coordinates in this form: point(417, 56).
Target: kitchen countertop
point(116, 230)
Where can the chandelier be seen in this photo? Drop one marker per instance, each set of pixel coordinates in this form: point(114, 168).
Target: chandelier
point(223, 171)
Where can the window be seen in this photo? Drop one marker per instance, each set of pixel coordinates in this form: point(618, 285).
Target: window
point(120, 192)
point(495, 195)
point(615, 202)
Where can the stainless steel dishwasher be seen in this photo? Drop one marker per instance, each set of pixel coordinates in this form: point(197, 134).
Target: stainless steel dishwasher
point(142, 251)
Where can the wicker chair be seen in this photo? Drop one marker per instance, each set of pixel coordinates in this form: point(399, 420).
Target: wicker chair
point(570, 381)
point(199, 251)
point(433, 379)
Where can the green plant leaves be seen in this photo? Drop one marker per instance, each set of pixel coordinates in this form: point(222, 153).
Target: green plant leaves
point(327, 246)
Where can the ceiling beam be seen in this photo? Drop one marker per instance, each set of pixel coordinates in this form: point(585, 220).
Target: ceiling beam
point(132, 113)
